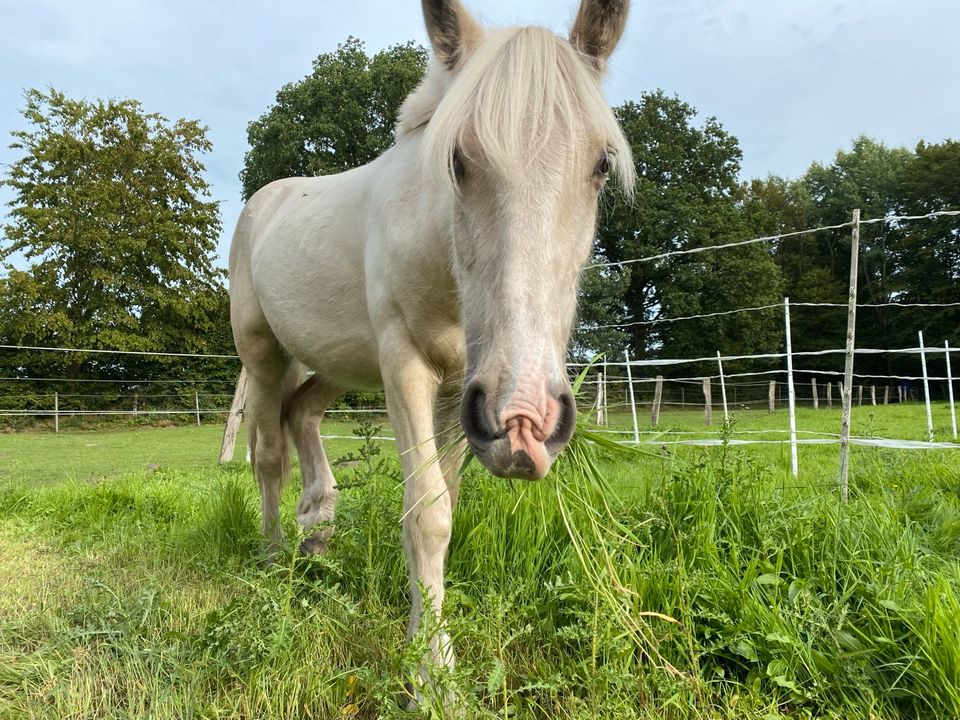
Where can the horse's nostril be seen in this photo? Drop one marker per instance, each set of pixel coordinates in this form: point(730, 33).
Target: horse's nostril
point(472, 416)
point(566, 422)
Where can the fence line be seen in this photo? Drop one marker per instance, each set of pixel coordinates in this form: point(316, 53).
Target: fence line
point(113, 380)
point(98, 351)
point(850, 352)
point(759, 308)
point(777, 237)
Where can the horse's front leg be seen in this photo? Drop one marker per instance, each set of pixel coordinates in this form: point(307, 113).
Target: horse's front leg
point(411, 386)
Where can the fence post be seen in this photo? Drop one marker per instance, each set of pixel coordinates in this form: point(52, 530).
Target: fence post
point(136, 404)
point(633, 404)
point(791, 394)
point(859, 395)
point(813, 387)
point(56, 412)
point(772, 397)
point(886, 394)
point(846, 393)
point(606, 395)
point(873, 395)
point(657, 397)
point(233, 419)
point(196, 405)
point(723, 388)
point(707, 402)
point(599, 403)
point(926, 388)
point(953, 410)
point(829, 396)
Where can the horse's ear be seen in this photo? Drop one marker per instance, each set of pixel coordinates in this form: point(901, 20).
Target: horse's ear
point(453, 33)
point(598, 28)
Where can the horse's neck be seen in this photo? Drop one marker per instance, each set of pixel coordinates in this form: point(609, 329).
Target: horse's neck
point(416, 212)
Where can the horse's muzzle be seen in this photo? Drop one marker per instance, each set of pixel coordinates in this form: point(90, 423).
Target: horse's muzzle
point(519, 445)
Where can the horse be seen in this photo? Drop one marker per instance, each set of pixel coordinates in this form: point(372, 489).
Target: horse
point(444, 272)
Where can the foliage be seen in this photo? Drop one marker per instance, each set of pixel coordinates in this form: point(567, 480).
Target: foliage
point(340, 116)
point(686, 197)
point(110, 241)
point(899, 261)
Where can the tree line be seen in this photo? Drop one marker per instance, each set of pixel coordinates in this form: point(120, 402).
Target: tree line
point(111, 234)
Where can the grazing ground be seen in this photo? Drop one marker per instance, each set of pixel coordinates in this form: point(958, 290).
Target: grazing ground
point(677, 582)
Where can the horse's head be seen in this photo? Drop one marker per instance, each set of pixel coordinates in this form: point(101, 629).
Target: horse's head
point(523, 138)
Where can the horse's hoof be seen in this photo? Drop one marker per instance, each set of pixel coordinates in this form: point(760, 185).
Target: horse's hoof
point(272, 554)
point(410, 699)
point(314, 545)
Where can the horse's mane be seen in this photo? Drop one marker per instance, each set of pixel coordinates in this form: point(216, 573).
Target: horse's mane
point(516, 89)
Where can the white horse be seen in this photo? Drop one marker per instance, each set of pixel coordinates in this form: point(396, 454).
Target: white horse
point(457, 251)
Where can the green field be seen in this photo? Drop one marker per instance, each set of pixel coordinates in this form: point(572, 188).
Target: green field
point(680, 582)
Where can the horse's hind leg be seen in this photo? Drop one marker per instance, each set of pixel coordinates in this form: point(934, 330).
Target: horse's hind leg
point(267, 380)
point(318, 501)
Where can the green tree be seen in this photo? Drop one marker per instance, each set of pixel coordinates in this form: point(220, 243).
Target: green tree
point(113, 234)
point(773, 206)
point(687, 196)
point(928, 256)
point(340, 116)
point(868, 176)
point(899, 262)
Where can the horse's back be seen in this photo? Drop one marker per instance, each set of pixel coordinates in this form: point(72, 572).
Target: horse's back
point(297, 273)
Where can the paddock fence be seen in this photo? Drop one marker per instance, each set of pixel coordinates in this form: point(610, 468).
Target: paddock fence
point(638, 388)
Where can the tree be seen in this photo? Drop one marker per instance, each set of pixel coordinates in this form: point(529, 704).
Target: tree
point(929, 253)
point(340, 116)
point(687, 197)
point(869, 176)
point(112, 216)
point(899, 262)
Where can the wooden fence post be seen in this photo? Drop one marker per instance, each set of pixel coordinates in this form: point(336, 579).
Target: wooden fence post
point(859, 394)
point(723, 388)
point(56, 412)
point(772, 397)
point(845, 392)
point(234, 418)
point(707, 402)
point(829, 395)
point(816, 399)
point(886, 394)
point(873, 395)
point(657, 397)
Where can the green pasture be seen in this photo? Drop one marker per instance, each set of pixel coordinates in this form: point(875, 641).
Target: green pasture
point(674, 582)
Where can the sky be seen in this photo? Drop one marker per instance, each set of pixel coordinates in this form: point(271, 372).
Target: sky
point(793, 80)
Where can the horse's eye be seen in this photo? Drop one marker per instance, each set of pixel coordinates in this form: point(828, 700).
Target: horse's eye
point(603, 165)
point(458, 169)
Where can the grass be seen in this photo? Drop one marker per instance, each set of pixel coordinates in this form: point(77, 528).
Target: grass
point(682, 583)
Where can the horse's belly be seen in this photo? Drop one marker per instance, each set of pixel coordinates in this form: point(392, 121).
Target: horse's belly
point(311, 290)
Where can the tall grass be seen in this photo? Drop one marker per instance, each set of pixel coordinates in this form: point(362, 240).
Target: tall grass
point(700, 583)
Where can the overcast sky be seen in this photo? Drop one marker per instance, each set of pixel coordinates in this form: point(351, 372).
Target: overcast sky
point(794, 80)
